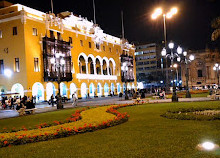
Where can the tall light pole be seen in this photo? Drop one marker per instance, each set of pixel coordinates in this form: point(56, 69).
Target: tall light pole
point(58, 61)
point(217, 69)
point(186, 62)
point(168, 15)
point(172, 56)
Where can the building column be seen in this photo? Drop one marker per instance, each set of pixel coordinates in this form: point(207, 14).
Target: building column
point(94, 67)
point(87, 70)
point(101, 69)
point(107, 70)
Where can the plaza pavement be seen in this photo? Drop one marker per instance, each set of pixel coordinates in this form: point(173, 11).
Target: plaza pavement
point(45, 107)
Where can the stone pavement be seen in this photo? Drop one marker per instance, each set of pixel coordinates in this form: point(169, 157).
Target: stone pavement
point(45, 107)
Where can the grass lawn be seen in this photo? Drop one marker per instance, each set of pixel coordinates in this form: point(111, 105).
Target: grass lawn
point(146, 134)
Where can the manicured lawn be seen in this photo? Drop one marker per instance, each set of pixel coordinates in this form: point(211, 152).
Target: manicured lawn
point(146, 134)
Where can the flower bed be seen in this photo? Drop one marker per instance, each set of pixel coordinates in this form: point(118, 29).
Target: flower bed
point(194, 114)
point(92, 119)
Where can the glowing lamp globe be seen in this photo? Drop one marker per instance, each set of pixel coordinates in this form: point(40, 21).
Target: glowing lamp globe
point(185, 53)
point(214, 68)
point(216, 65)
point(171, 45)
point(179, 50)
point(52, 60)
point(191, 57)
point(163, 53)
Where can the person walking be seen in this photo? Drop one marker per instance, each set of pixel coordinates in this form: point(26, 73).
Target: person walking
point(74, 96)
point(52, 100)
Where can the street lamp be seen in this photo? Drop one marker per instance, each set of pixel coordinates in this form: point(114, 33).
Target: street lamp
point(58, 61)
point(187, 61)
point(172, 56)
point(124, 68)
point(217, 69)
point(155, 15)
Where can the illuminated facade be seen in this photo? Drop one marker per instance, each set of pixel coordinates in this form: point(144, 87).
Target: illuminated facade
point(201, 73)
point(31, 40)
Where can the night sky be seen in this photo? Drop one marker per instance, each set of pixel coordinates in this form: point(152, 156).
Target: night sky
point(190, 28)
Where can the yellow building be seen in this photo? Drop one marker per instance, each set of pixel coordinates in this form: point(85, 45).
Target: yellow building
point(93, 62)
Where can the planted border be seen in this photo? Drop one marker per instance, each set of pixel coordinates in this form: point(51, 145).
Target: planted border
point(190, 114)
point(109, 117)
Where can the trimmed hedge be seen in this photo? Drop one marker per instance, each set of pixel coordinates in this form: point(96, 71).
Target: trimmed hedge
point(188, 114)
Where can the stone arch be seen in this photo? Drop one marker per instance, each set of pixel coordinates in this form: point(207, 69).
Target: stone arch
point(50, 89)
point(83, 90)
point(38, 91)
point(83, 60)
point(63, 89)
point(99, 90)
point(91, 66)
point(18, 88)
point(73, 89)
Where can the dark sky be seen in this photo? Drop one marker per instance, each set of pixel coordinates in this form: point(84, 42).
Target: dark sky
point(190, 28)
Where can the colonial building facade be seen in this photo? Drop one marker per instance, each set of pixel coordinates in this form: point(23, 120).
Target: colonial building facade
point(37, 49)
point(201, 73)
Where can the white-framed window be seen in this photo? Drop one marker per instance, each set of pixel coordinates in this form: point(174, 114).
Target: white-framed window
point(17, 65)
point(34, 31)
point(36, 65)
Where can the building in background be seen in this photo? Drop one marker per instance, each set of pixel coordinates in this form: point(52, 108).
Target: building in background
point(201, 73)
point(36, 46)
point(148, 64)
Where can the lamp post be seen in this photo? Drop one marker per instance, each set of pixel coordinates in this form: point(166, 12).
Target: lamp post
point(58, 61)
point(172, 56)
point(217, 69)
point(168, 15)
point(186, 62)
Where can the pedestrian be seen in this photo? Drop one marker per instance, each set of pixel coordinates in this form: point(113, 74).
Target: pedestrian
point(74, 96)
point(52, 100)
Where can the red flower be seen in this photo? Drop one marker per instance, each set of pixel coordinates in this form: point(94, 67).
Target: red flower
point(5, 142)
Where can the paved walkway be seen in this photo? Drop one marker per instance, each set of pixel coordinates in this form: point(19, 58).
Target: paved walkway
point(45, 107)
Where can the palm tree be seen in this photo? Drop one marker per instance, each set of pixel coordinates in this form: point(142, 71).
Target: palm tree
point(216, 25)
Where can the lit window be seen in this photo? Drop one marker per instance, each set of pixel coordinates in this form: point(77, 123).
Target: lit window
point(15, 31)
point(90, 45)
point(36, 65)
point(34, 31)
point(81, 42)
point(0, 34)
point(1, 67)
point(17, 66)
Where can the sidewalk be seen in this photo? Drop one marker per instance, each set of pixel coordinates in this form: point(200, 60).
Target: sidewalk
point(45, 107)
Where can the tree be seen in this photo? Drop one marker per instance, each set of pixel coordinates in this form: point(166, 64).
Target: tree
point(216, 25)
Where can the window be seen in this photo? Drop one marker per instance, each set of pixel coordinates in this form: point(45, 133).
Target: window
point(34, 31)
point(199, 73)
point(116, 51)
point(36, 65)
point(81, 42)
point(0, 34)
point(110, 49)
point(97, 46)
point(1, 67)
point(103, 48)
point(59, 36)
point(17, 66)
point(70, 40)
point(90, 45)
point(15, 31)
point(51, 34)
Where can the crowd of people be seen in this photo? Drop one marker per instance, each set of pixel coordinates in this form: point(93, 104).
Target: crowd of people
point(17, 102)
